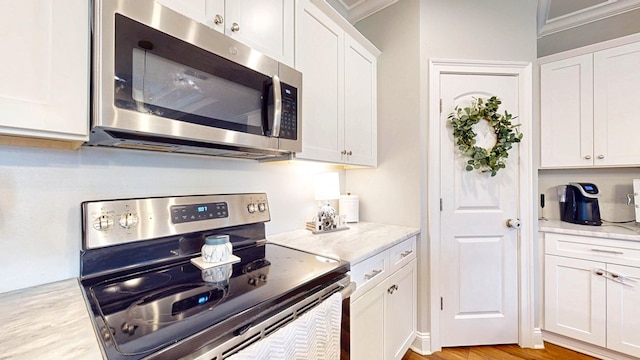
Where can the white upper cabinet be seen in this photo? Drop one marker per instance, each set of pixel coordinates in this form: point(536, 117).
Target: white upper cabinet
point(616, 80)
point(321, 62)
point(587, 109)
point(264, 25)
point(360, 103)
point(339, 106)
point(566, 127)
point(44, 92)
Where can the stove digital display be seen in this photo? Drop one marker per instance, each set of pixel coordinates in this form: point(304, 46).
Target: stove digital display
point(196, 300)
point(197, 212)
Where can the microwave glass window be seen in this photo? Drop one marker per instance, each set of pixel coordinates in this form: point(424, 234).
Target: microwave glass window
point(161, 75)
point(166, 84)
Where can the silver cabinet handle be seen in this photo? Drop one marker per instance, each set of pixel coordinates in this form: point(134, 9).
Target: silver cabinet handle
point(393, 288)
point(619, 278)
point(218, 19)
point(588, 157)
point(349, 152)
point(235, 27)
point(608, 251)
point(372, 274)
point(406, 253)
point(600, 157)
point(343, 152)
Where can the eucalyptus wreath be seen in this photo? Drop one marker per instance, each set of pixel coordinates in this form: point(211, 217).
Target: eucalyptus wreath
point(463, 120)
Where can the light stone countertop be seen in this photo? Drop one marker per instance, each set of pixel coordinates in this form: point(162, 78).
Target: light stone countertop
point(628, 231)
point(49, 321)
point(359, 242)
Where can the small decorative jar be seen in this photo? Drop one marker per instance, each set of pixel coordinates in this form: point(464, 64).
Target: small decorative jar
point(218, 275)
point(217, 248)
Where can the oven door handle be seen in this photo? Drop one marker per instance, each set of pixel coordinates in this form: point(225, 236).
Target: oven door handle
point(348, 290)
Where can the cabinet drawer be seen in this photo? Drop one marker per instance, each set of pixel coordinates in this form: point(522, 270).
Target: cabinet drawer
point(596, 249)
point(370, 272)
point(401, 254)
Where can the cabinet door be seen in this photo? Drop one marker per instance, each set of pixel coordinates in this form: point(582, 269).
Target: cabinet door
point(360, 105)
point(320, 58)
point(400, 311)
point(623, 311)
point(566, 114)
point(368, 324)
point(45, 69)
point(616, 93)
point(575, 299)
point(202, 11)
point(265, 25)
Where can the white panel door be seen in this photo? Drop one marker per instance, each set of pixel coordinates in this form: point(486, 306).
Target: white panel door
point(575, 299)
point(265, 25)
point(367, 315)
point(360, 101)
point(479, 253)
point(401, 298)
point(566, 112)
point(202, 11)
point(623, 311)
point(616, 93)
point(320, 58)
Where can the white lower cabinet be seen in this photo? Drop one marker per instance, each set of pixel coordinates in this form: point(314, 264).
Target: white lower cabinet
point(592, 291)
point(383, 315)
point(623, 312)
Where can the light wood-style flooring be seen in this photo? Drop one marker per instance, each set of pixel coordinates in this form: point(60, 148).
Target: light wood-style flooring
point(501, 352)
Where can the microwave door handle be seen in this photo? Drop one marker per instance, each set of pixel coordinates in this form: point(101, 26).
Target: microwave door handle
point(277, 107)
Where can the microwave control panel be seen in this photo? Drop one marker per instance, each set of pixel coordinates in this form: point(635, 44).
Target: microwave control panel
point(289, 124)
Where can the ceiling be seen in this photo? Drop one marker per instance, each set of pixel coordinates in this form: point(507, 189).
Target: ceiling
point(553, 15)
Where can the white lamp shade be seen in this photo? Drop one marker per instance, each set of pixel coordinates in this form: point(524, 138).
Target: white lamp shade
point(327, 186)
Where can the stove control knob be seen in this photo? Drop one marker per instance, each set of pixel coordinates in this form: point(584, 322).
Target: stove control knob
point(262, 207)
point(103, 222)
point(128, 220)
point(251, 208)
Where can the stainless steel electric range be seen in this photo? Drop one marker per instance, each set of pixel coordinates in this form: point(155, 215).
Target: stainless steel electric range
point(148, 299)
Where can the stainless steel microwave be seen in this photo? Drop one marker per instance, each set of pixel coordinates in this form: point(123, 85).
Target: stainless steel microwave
point(164, 82)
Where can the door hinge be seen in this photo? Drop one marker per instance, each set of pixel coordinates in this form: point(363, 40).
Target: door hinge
point(441, 205)
point(440, 106)
point(441, 304)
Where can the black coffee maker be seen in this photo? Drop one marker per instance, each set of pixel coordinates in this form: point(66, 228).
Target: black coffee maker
point(579, 204)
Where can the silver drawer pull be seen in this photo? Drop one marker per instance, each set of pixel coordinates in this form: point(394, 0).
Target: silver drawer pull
point(372, 274)
point(608, 251)
point(393, 288)
point(406, 253)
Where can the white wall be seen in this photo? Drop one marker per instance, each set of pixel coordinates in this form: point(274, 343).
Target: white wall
point(391, 193)
point(41, 191)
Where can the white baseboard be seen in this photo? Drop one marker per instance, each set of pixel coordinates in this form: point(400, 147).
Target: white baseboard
point(422, 344)
point(585, 348)
point(538, 341)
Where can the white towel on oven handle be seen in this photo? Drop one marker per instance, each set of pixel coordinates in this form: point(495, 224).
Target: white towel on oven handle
point(315, 335)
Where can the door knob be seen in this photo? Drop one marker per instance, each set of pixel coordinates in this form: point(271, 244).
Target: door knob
point(514, 223)
point(235, 27)
point(218, 19)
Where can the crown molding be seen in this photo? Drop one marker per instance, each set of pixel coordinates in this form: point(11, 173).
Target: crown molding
point(584, 16)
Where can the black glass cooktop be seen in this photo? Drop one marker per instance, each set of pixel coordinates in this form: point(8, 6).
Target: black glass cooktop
point(145, 311)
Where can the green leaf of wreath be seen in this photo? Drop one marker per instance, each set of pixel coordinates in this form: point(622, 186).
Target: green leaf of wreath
point(462, 122)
